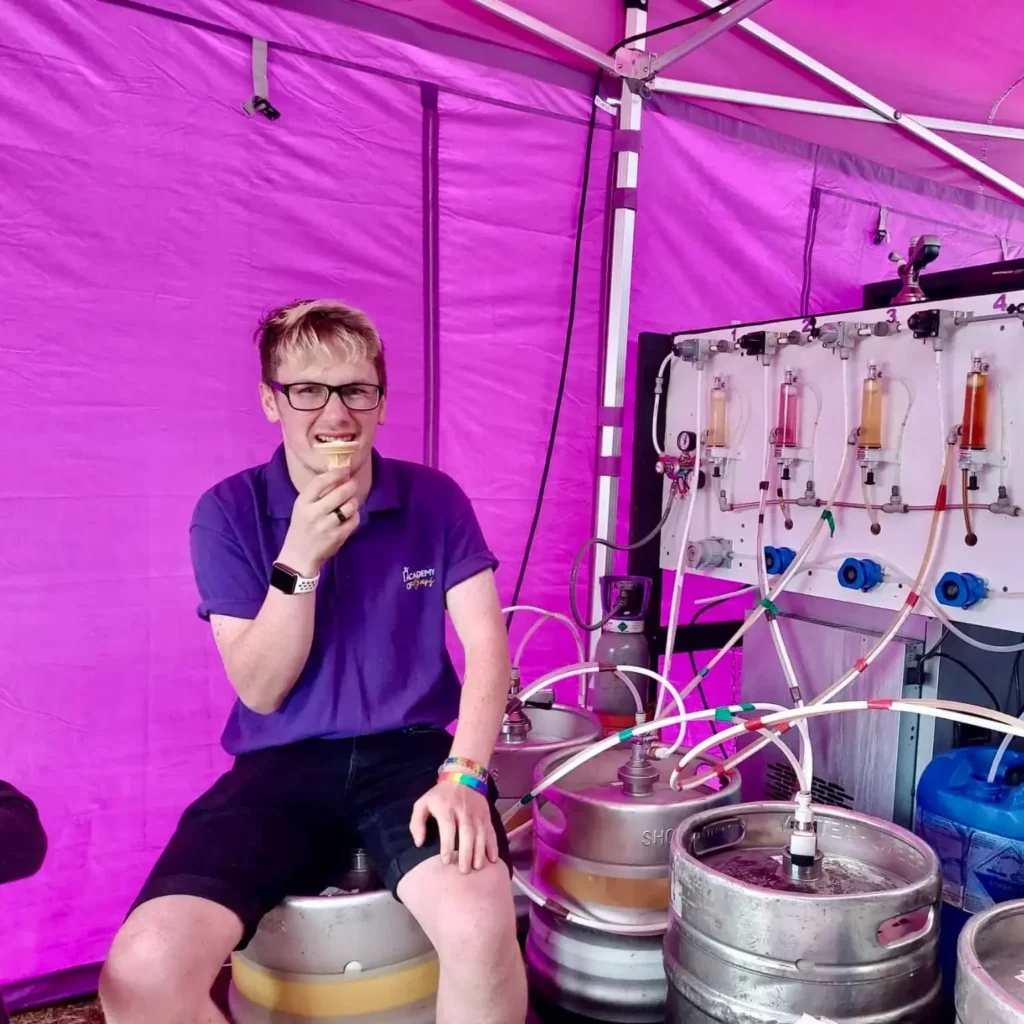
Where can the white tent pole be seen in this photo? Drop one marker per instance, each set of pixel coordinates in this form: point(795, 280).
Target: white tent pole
point(995, 131)
point(550, 33)
point(890, 113)
point(616, 338)
point(708, 31)
point(701, 90)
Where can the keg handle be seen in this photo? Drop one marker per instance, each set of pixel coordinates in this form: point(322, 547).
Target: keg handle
point(713, 780)
point(553, 794)
point(901, 936)
point(551, 824)
point(714, 836)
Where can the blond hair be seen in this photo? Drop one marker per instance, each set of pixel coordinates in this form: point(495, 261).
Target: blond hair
point(310, 326)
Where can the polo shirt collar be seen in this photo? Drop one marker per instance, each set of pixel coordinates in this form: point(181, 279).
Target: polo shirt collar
point(281, 492)
point(383, 496)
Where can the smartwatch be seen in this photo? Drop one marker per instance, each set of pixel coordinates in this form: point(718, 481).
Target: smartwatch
point(288, 581)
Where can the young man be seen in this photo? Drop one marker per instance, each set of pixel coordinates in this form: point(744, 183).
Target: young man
point(326, 591)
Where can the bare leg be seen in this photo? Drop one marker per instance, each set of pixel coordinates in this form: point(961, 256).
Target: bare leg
point(164, 961)
point(470, 919)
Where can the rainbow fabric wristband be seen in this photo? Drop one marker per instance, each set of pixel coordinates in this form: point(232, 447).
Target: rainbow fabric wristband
point(463, 764)
point(464, 780)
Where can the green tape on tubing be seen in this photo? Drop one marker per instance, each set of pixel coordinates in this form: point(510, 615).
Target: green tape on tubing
point(769, 605)
point(626, 734)
point(723, 715)
point(747, 707)
point(831, 520)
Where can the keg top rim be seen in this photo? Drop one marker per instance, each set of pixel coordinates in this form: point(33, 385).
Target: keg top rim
point(320, 899)
point(554, 743)
point(970, 957)
point(597, 781)
point(681, 842)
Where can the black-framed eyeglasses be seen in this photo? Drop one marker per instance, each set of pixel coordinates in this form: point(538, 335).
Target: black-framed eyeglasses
point(306, 396)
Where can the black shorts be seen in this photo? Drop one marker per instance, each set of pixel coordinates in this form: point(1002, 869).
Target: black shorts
point(282, 820)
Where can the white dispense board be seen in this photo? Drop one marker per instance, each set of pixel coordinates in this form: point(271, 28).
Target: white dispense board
point(907, 365)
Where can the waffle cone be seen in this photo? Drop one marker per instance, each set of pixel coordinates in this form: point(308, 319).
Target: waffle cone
point(338, 453)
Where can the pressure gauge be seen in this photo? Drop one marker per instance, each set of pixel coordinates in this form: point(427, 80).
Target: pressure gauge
point(686, 441)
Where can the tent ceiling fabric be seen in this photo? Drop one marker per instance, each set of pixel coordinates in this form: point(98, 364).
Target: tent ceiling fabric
point(957, 60)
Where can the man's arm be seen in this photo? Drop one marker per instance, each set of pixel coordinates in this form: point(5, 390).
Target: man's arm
point(265, 656)
point(476, 614)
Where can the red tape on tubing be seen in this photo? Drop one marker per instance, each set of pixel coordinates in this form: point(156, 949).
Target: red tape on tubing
point(879, 705)
point(553, 907)
point(860, 664)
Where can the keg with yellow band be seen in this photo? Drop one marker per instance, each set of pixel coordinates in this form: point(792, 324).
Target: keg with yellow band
point(351, 998)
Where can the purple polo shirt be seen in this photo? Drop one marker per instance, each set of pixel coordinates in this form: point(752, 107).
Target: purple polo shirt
point(378, 659)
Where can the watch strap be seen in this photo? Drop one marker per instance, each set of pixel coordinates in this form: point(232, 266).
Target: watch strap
point(287, 580)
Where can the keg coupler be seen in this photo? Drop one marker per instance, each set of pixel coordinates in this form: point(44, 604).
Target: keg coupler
point(802, 859)
point(516, 726)
point(639, 773)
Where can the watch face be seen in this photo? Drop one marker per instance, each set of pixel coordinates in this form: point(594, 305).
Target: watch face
point(283, 580)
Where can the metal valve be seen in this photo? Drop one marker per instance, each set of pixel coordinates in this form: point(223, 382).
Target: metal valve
point(515, 726)
point(923, 250)
point(802, 859)
point(639, 773)
point(1002, 506)
point(712, 553)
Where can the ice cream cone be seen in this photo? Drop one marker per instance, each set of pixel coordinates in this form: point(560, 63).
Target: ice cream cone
point(338, 453)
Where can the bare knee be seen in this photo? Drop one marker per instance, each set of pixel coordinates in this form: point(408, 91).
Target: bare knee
point(139, 968)
point(164, 960)
point(480, 922)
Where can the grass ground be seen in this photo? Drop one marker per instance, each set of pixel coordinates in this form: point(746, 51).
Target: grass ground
point(85, 1011)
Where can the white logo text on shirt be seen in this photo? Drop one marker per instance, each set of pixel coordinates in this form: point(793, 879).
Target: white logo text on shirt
point(415, 580)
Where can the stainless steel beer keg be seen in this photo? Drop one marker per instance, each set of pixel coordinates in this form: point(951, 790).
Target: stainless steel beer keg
point(990, 967)
point(529, 735)
point(602, 839)
point(754, 938)
point(339, 958)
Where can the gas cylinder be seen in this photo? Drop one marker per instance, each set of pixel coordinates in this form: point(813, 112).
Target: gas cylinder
point(622, 642)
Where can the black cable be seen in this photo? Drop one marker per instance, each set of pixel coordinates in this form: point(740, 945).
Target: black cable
point(1015, 685)
point(935, 646)
point(672, 25)
point(578, 560)
point(966, 668)
point(560, 394)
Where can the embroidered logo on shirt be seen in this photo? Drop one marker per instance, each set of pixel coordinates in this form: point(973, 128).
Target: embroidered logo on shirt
point(419, 578)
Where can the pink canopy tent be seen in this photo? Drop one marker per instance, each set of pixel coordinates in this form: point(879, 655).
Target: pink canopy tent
point(427, 166)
